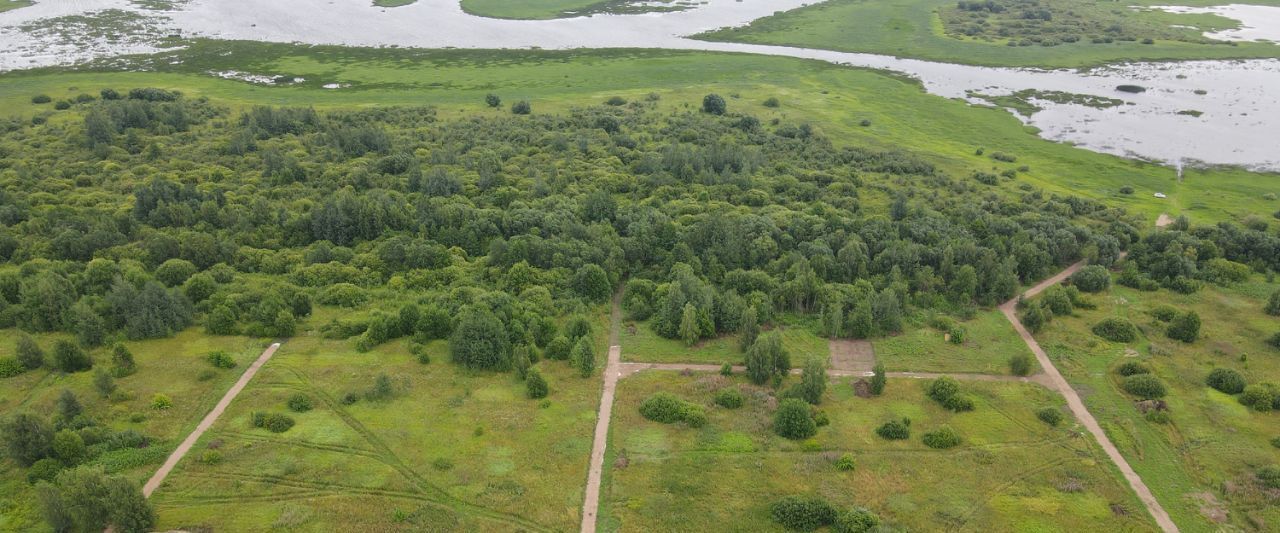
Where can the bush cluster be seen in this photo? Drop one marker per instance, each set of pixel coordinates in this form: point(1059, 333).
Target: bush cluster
point(1050, 415)
point(273, 422)
point(729, 398)
point(667, 408)
point(799, 513)
point(1145, 386)
point(794, 420)
point(895, 429)
point(1116, 329)
point(942, 438)
point(1225, 380)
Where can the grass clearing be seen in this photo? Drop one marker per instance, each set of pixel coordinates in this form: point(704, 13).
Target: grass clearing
point(988, 344)
point(640, 344)
point(1012, 473)
point(10, 5)
point(915, 29)
point(449, 449)
point(1201, 463)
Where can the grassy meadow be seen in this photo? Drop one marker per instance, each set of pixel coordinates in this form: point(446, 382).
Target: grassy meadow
point(1011, 473)
point(175, 367)
point(552, 9)
point(988, 344)
point(1200, 464)
point(449, 449)
point(915, 29)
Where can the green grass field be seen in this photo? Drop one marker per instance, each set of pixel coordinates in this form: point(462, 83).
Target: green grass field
point(640, 344)
point(10, 5)
point(989, 343)
point(451, 448)
point(833, 99)
point(913, 28)
point(1012, 473)
point(392, 3)
point(174, 367)
point(1201, 463)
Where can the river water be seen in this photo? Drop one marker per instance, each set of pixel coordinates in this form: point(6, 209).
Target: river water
point(1237, 103)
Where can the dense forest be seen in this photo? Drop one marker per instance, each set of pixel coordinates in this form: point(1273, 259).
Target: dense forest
point(137, 214)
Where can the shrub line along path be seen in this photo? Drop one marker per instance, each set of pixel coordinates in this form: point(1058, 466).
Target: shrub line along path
point(1057, 382)
point(207, 422)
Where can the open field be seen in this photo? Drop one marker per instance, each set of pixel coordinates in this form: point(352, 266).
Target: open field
point(914, 28)
point(9, 5)
point(1013, 472)
point(175, 367)
point(449, 447)
point(643, 345)
point(1200, 464)
point(989, 343)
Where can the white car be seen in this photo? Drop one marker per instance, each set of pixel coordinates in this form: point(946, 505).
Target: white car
point(1160, 195)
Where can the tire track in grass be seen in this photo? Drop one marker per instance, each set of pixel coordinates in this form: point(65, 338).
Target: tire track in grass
point(389, 457)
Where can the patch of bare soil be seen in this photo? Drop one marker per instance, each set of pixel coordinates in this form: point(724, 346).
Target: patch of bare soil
point(852, 355)
point(1210, 507)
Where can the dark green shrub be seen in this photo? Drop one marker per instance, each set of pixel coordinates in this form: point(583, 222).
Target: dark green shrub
point(1157, 417)
point(960, 403)
point(713, 104)
point(535, 385)
point(1276, 442)
point(44, 470)
point(1132, 368)
point(942, 438)
point(1260, 396)
point(69, 358)
point(10, 367)
point(521, 108)
point(1185, 327)
point(1021, 365)
point(799, 513)
point(616, 101)
point(1225, 380)
point(662, 407)
point(794, 420)
point(1274, 340)
point(771, 102)
point(1164, 313)
point(300, 403)
point(1145, 386)
point(1050, 415)
point(273, 422)
point(492, 100)
point(693, 415)
point(41, 99)
point(895, 430)
point(943, 388)
point(1116, 329)
point(1093, 278)
point(1270, 476)
point(856, 520)
point(220, 359)
point(729, 398)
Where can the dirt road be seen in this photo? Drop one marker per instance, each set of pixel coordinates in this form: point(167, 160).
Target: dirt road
point(612, 370)
point(1057, 382)
point(209, 419)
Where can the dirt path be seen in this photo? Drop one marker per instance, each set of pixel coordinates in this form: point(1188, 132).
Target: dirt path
point(627, 369)
point(209, 419)
point(612, 371)
point(1057, 382)
point(1163, 220)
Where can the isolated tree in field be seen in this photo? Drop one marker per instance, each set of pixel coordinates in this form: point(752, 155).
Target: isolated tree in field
point(689, 328)
point(480, 341)
point(492, 100)
point(878, 379)
point(1020, 365)
point(69, 358)
point(29, 353)
point(583, 357)
point(27, 438)
point(521, 108)
point(748, 329)
point(86, 499)
point(103, 382)
point(122, 361)
point(1185, 327)
point(794, 420)
point(535, 385)
point(813, 380)
point(714, 104)
point(767, 358)
point(1273, 304)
